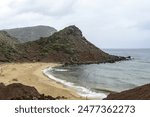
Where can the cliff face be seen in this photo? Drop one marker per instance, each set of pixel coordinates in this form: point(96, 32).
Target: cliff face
point(67, 46)
point(31, 33)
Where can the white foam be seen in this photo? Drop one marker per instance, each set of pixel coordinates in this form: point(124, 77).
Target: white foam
point(82, 91)
point(45, 71)
point(56, 69)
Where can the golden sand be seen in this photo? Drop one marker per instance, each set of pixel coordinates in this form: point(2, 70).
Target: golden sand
point(31, 74)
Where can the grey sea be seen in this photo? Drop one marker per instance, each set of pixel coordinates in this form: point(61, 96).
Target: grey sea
point(98, 80)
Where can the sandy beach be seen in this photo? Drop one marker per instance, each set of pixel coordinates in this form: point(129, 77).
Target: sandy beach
point(31, 74)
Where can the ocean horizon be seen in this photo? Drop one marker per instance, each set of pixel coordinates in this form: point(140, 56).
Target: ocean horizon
point(98, 80)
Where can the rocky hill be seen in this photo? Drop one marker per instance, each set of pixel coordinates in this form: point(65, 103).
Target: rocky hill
point(31, 33)
point(67, 46)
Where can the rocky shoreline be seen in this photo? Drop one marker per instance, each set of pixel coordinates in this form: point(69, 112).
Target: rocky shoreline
point(112, 60)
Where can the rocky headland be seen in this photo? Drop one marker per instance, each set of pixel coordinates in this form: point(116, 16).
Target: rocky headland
point(67, 46)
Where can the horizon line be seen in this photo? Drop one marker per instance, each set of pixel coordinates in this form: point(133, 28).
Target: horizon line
point(125, 48)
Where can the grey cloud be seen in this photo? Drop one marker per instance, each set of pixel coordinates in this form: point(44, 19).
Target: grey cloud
point(45, 7)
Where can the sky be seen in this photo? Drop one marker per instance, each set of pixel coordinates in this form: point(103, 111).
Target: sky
point(105, 23)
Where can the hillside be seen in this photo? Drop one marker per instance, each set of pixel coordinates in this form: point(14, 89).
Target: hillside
point(6, 38)
point(67, 46)
point(26, 34)
point(7, 47)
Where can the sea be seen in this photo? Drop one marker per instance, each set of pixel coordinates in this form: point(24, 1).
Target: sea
point(96, 81)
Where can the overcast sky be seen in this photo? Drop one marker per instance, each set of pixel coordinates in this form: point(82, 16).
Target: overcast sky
point(106, 23)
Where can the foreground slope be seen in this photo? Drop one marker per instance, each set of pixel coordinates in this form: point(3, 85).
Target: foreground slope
point(18, 91)
point(138, 93)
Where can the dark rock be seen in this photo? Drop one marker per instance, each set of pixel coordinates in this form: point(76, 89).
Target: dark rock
point(17, 91)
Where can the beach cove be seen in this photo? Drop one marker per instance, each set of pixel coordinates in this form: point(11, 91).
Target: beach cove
point(31, 74)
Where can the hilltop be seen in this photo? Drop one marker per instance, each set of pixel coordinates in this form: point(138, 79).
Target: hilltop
point(33, 33)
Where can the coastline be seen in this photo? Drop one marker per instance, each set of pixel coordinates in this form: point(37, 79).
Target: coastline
point(80, 90)
point(31, 74)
